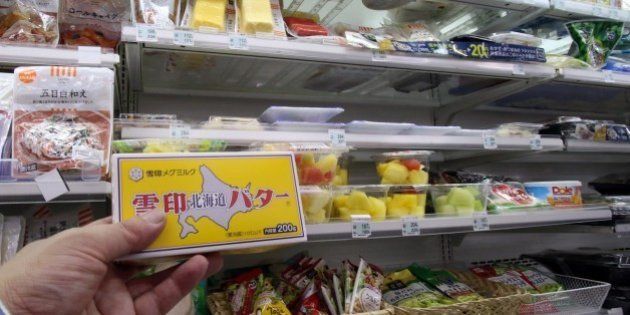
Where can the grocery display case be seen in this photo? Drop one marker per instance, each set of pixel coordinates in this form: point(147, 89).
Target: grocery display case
point(212, 86)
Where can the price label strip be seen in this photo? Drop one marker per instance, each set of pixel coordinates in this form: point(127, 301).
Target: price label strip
point(410, 226)
point(361, 226)
point(480, 222)
point(238, 42)
point(337, 137)
point(490, 141)
point(184, 38)
point(146, 33)
point(180, 131)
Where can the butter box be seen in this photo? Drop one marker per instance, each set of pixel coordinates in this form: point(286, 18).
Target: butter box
point(212, 201)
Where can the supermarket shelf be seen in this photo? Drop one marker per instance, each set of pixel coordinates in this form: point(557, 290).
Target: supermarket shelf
point(11, 56)
point(359, 141)
point(585, 76)
point(599, 147)
point(575, 9)
point(446, 225)
point(294, 50)
point(28, 192)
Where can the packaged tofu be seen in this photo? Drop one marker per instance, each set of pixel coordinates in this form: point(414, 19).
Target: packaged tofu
point(29, 21)
point(92, 23)
point(212, 201)
point(261, 18)
point(62, 119)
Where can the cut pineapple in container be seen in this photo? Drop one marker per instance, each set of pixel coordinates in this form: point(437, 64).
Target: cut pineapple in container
point(317, 204)
point(360, 200)
point(341, 173)
point(406, 201)
point(459, 199)
point(403, 167)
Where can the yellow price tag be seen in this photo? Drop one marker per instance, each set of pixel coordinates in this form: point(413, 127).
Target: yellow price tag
point(212, 201)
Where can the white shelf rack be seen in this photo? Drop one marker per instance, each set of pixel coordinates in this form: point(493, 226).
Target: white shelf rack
point(576, 9)
point(592, 77)
point(452, 225)
point(597, 147)
point(358, 141)
point(15, 55)
point(28, 192)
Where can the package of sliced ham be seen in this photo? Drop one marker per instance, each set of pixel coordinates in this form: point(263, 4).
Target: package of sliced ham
point(62, 118)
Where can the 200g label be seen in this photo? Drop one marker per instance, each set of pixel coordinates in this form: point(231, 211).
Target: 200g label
point(281, 228)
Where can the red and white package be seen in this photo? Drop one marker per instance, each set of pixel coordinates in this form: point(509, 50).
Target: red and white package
point(62, 119)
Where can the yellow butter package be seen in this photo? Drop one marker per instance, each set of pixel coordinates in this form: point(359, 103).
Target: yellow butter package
point(212, 201)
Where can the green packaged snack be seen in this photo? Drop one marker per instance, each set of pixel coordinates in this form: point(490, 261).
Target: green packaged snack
point(403, 289)
point(594, 40)
point(447, 283)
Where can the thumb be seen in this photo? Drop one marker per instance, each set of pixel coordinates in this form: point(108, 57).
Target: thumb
point(113, 241)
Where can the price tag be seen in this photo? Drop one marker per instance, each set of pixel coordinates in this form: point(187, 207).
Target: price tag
point(597, 11)
point(378, 55)
point(361, 226)
point(337, 137)
point(184, 38)
point(480, 221)
point(535, 143)
point(410, 226)
point(238, 42)
point(51, 185)
point(518, 69)
point(559, 4)
point(608, 76)
point(490, 141)
point(614, 14)
point(146, 33)
point(180, 131)
point(89, 55)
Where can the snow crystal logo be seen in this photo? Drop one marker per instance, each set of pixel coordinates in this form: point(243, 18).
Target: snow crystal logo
point(136, 174)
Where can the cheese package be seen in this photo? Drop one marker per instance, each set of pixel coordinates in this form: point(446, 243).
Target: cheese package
point(212, 201)
point(62, 119)
point(261, 18)
point(209, 13)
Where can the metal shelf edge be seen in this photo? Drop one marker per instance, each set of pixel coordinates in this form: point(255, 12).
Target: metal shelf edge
point(18, 189)
point(17, 55)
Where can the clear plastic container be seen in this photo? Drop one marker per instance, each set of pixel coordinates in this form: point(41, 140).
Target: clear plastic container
point(406, 201)
point(341, 174)
point(516, 38)
point(168, 145)
point(518, 129)
point(304, 114)
point(360, 200)
point(375, 127)
point(459, 199)
point(233, 123)
point(317, 204)
point(316, 162)
point(403, 167)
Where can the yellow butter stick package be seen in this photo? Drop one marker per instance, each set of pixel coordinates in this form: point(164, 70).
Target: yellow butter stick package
point(261, 18)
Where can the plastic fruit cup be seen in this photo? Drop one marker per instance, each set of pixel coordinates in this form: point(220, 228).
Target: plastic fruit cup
point(405, 201)
point(459, 199)
point(403, 167)
point(360, 200)
point(316, 203)
point(341, 174)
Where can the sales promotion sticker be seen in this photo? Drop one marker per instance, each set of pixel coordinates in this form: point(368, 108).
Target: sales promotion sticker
point(212, 201)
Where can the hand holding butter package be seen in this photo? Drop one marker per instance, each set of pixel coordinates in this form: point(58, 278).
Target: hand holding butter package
point(62, 119)
point(212, 201)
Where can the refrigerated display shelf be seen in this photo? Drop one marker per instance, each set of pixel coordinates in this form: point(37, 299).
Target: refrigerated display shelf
point(585, 76)
point(451, 225)
point(355, 140)
point(28, 192)
point(14, 55)
point(574, 145)
point(570, 9)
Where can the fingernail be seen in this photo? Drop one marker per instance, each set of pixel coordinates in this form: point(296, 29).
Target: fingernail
point(155, 216)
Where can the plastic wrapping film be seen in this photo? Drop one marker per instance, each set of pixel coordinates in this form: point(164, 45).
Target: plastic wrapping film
point(92, 23)
point(161, 13)
point(29, 21)
point(12, 236)
point(63, 118)
point(6, 90)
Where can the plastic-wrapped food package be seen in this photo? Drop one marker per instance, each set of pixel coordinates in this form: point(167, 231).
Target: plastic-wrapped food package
point(594, 40)
point(29, 21)
point(6, 90)
point(168, 145)
point(261, 17)
point(62, 118)
point(210, 15)
point(161, 13)
point(12, 236)
point(304, 24)
point(92, 23)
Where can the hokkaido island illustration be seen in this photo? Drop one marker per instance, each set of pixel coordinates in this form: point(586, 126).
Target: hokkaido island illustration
point(220, 202)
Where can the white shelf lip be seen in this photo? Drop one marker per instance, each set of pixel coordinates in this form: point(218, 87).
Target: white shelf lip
point(608, 78)
point(587, 9)
point(574, 145)
point(35, 55)
point(292, 49)
point(450, 225)
point(535, 3)
point(77, 188)
point(359, 141)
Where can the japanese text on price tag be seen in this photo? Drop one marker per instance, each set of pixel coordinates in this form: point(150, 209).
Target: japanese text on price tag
point(480, 221)
point(146, 33)
point(410, 226)
point(378, 55)
point(180, 131)
point(337, 137)
point(238, 42)
point(535, 143)
point(361, 226)
point(184, 38)
point(489, 141)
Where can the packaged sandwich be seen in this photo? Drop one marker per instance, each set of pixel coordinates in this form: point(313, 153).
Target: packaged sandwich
point(404, 289)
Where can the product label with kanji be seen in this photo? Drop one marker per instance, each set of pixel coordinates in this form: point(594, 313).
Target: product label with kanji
point(211, 199)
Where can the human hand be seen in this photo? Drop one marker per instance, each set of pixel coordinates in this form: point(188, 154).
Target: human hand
point(73, 272)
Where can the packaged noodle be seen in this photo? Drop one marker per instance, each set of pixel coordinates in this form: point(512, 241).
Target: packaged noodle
point(62, 118)
point(161, 13)
point(349, 272)
point(267, 301)
point(29, 21)
point(403, 289)
point(311, 302)
point(242, 292)
point(366, 295)
point(92, 23)
point(447, 283)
